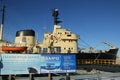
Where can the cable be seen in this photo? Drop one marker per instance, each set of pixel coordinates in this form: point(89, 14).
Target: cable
point(85, 43)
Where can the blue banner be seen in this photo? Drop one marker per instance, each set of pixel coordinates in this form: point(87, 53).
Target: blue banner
point(37, 63)
point(69, 62)
point(58, 63)
point(50, 63)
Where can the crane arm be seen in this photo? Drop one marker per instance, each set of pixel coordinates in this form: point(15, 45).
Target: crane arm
point(112, 46)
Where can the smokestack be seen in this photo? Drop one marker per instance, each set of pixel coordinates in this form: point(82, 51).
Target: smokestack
point(2, 24)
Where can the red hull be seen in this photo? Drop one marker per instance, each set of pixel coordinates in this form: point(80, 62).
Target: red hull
point(11, 48)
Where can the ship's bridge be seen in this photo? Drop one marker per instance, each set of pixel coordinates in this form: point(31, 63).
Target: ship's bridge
point(64, 33)
point(70, 37)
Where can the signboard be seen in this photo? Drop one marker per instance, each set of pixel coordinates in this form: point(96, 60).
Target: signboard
point(58, 63)
point(36, 63)
point(20, 63)
point(69, 62)
point(50, 63)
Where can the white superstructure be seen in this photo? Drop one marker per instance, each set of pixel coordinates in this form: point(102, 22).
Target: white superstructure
point(59, 41)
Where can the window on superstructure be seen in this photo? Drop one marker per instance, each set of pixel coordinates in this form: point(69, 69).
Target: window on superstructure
point(69, 35)
point(52, 50)
point(58, 49)
point(45, 50)
point(59, 33)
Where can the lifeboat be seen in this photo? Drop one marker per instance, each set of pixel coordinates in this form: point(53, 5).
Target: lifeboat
point(14, 48)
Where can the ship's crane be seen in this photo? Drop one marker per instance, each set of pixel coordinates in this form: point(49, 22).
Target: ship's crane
point(106, 43)
point(91, 49)
point(112, 46)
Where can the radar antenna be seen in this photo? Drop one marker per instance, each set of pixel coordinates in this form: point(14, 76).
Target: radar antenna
point(55, 15)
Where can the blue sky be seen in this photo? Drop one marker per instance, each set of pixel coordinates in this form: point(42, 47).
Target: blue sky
point(94, 20)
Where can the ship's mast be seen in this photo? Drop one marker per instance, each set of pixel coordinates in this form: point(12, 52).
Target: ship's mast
point(55, 15)
point(2, 24)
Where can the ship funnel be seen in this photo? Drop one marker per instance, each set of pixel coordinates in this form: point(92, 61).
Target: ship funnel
point(25, 37)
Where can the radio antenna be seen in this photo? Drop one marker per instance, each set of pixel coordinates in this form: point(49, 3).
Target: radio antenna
point(55, 15)
point(2, 23)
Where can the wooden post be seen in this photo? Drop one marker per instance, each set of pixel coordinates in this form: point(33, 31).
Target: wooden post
point(30, 76)
point(67, 76)
point(49, 76)
point(10, 77)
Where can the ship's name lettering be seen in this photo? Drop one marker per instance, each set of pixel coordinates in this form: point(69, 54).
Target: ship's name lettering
point(51, 58)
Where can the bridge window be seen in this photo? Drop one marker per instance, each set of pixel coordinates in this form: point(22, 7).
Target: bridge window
point(69, 35)
point(58, 49)
point(45, 50)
